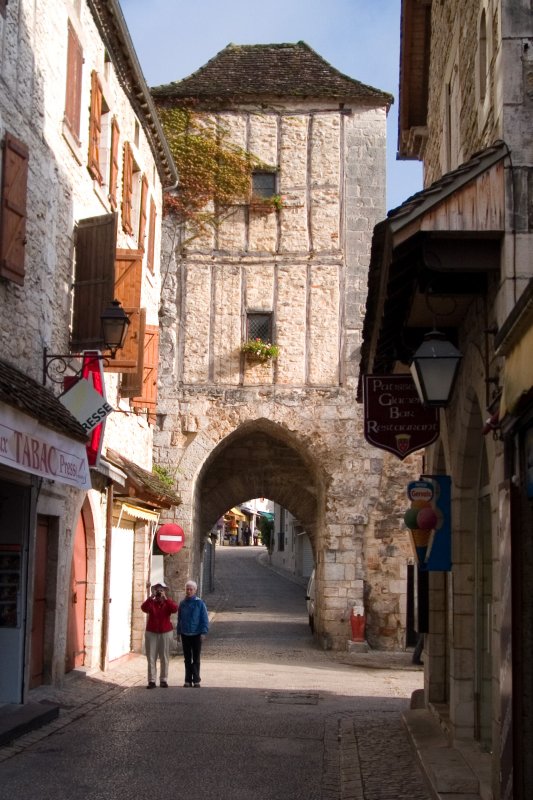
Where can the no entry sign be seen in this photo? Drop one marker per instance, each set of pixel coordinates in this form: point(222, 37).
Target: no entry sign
point(170, 538)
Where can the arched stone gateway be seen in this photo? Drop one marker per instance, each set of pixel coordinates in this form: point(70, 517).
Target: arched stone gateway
point(260, 459)
point(286, 265)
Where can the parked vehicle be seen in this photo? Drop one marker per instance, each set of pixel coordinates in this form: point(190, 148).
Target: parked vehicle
point(310, 598)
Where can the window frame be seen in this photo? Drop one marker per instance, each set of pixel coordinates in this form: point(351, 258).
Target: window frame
point(73, 84)
point(250, 334)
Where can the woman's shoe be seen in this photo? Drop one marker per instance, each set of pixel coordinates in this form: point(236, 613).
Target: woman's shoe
point(187, 685)
point(151, 685)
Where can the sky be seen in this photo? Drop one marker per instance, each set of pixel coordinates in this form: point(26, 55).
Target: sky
point(361, 38)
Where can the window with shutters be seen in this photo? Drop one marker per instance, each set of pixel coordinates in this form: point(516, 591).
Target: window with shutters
point(94, 278)
point(150, 254)
point(113, 163)
point(127, 289)
point(127, 189)
point(99, 132)
point(143, 211)
point(142, 385)
point(13, 211)
point(74, 81)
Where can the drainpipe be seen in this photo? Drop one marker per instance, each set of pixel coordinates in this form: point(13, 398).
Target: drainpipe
point(107, 578)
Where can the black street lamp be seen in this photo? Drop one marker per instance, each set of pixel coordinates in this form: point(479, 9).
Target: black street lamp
point(115, 323)
point(434, 369)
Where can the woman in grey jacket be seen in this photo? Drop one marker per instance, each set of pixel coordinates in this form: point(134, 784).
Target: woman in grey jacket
point(193, 624)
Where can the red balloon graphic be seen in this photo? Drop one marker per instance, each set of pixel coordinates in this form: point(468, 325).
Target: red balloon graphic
point(426, 519)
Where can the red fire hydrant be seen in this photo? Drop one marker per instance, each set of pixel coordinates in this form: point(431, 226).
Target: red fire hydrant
point(357, 621)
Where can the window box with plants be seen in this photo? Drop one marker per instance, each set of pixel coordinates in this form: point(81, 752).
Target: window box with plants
point(259, 350)
point(266, 204)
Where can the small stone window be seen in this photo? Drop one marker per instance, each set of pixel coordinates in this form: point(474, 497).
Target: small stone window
point(259, 326)
point(263, 183)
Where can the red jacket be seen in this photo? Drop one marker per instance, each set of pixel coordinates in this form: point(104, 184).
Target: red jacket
point(159, 612)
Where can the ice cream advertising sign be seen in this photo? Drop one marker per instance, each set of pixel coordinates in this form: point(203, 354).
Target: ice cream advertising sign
point(428, 521)
point(395, 419)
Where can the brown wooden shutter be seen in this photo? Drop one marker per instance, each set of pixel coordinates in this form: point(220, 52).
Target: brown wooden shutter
point(94, 278)
point(143, 212)
point(130, 358)
point(142, 385)
point(95, 128)
point(13, 213)
point(128, 279)
point(127, 189)
point(148, 396)
point(151, 237)
point(74, 78)
point(113, 171)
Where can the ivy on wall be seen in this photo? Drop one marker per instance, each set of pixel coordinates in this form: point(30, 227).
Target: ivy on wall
point(214, 174)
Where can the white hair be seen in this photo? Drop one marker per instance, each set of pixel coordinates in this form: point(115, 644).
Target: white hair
point(193, 584)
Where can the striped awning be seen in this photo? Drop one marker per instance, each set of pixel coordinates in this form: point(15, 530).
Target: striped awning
point(140, 513)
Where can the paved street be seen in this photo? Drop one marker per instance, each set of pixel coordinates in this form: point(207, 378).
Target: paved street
point(275, 719)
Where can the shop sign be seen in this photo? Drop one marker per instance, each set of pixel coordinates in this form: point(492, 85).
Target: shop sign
point(395, 419)
point(92, 373)
point(28, 446)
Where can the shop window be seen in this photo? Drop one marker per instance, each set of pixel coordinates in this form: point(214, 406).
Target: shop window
point(13, 212)
point(259, 326)
point(74, 81)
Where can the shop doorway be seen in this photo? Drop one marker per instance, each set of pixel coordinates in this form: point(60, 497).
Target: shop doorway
point(37, 660)
point(75, 654)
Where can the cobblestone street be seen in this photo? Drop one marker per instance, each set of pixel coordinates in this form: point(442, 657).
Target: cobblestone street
point(276, 716)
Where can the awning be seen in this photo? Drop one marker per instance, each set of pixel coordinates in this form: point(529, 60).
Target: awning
point(140, 513)
point(141, 484)
point(237, 513)
point(266, 514)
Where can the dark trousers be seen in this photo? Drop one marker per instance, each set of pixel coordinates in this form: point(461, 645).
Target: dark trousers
point(192, 647)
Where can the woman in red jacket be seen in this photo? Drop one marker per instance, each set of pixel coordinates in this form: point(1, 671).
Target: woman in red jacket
point(158, 634)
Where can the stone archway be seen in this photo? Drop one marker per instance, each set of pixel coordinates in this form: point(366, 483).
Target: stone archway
point(260, 459)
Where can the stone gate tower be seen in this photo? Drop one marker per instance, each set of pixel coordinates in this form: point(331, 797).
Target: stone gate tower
point(287, 265)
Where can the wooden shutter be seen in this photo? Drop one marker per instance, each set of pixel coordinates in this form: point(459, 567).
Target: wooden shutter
point(113, 170)
point(142, 385)
point(127, 189)
point(130, 358)
point(143, 212)
point(94, 278)
point(13, 213)
point(95, 128)
point(74, 78)
point(148, 396)
point(128, 278)
point(151, 237)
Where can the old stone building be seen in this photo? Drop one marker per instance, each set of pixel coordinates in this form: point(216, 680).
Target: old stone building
point(457, 257)
point(287, 265)
point(84, 164)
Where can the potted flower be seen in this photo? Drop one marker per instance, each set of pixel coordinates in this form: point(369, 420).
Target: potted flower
point(260, 350)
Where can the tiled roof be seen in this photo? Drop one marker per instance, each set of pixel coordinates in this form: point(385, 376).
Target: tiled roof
point(22, 392)
point(146, 485)
point(281, 70)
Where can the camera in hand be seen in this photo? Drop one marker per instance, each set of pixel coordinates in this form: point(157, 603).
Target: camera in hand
point(158, 593)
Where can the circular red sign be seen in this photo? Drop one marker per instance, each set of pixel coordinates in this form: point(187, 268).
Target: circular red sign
point(170, 538)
